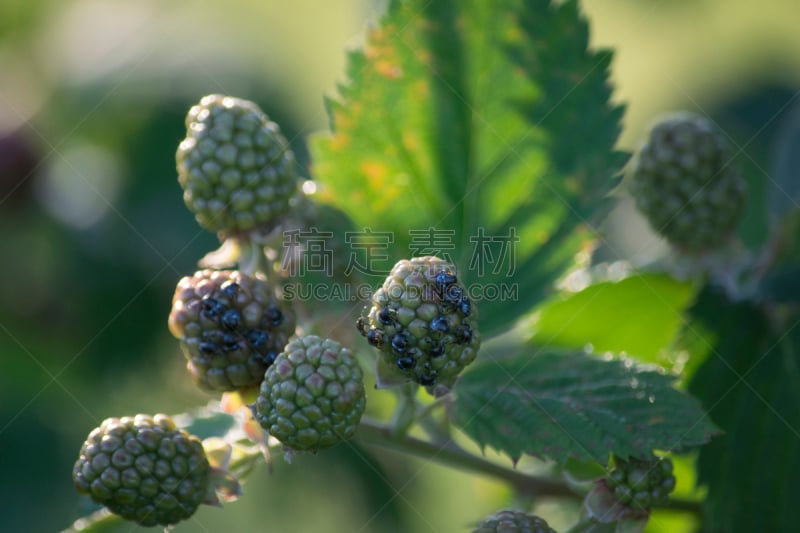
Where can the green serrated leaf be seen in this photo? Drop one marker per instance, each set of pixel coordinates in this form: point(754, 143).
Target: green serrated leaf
point(639, 315)
point(750, 382)
point(488, 120)
point(559, 405)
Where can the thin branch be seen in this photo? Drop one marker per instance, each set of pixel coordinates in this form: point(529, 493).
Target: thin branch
point(374, 433)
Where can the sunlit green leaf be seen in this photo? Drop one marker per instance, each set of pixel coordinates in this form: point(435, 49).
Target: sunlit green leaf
point(488, 123)
point(639, 315)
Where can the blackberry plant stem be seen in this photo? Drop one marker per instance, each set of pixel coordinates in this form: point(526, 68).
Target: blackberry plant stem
point(253, 260)
point(377, 434)
point(374, 433)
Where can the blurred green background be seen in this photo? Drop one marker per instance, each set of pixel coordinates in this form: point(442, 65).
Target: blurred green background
point(94, 234)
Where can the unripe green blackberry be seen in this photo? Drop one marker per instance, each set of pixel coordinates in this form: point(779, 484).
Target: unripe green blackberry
point(641, 484)
point(423, 322)
point(144, 469)
point(230, 326)
point(685, 183)
point(313, 396)
point(235, 166)
point(513, 522)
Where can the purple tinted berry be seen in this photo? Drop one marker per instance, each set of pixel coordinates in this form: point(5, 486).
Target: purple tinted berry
point(443, 279)
point(385, 316)
point(439, 324)
point(427, 379)
point(405, 363)
point(229, 289)
point(399, 343)
point(212, 308)
point(209, 347)
point(274, 315)
point(213, 316)
point(375, 338)
point(231, 319)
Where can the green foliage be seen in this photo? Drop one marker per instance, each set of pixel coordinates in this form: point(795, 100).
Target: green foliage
point(210, 425)
point(639, 315)
point(784, 191)
point(474, 117)
point(750, 382)
point(494, 121)
point(782, 282)
point(570, 405)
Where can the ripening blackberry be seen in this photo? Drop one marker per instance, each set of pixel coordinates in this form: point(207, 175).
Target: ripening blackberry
point(313, 396)
point(508, 521)
point(231, 327)
point(641, 484)
point(686, 185)
point(423, 322)
point(144, 469)
point(235, 167)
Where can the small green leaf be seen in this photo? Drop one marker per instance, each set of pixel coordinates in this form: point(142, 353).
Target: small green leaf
point(487, 123)
point(581, 475)
point(204, 425)
point(639, 315)
point(581, 471)
point(560, 405)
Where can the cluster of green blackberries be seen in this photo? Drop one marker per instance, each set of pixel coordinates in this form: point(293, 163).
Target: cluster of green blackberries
point(641, 484)
point(237, 174)
point(238, 178)
point(423, 322)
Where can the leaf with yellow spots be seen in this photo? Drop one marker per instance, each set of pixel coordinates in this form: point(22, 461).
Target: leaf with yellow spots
point(490, 121)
